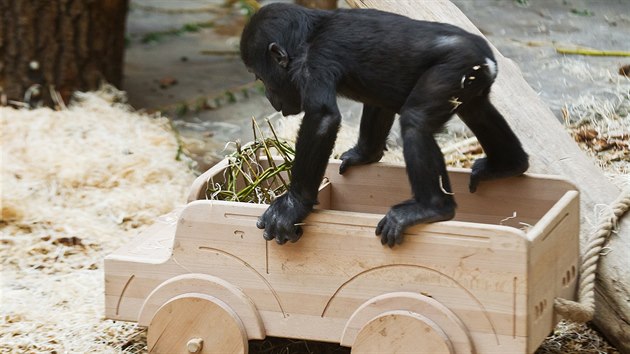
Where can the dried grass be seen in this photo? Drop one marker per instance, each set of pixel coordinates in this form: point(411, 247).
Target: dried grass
point(574, 338)
point(601, 126)
point(250, 179)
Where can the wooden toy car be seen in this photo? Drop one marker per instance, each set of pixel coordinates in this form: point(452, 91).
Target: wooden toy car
point(204, 280)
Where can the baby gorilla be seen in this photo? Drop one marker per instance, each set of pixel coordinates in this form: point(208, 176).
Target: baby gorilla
point(424, 71)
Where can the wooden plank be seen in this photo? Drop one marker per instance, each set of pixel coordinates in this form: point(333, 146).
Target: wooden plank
point(551, 150)
point(478, 274)
point(200, 184)
point(551, 273)
point(338, 264)
point(509, 202)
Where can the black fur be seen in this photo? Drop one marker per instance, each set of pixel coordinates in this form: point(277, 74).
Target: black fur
point(424, 71)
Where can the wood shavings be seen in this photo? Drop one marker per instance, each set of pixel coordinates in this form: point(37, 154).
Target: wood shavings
point(508, 218)
point(77, 184)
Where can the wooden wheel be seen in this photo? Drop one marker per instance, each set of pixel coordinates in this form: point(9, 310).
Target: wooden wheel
point(196, 323)
point(421, 318)
point(402, 332)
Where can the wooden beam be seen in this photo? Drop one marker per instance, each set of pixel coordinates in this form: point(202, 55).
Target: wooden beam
point(553, 151)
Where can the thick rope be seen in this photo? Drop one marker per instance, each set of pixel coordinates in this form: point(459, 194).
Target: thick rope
point(584, 309)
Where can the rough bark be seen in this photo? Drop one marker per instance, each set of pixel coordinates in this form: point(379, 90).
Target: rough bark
point(69, 44)
point(551, 151)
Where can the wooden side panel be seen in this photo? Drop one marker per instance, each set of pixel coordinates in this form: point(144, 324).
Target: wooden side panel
point(324, 197)
point(553, 262)
point(374, 188)
point(127, 284)
point(309, 289)
point(134, 270)
point(200, 184)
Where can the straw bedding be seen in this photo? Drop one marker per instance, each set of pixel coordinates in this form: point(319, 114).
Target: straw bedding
point(76, 184)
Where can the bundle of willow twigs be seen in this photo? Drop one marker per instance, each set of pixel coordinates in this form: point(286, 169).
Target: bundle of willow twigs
point(257, 172)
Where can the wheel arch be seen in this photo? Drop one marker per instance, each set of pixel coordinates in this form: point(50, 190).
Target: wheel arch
point(428, 307)
point(210, 285)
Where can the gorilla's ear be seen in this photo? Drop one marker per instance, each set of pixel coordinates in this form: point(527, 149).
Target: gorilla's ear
point(279, 54)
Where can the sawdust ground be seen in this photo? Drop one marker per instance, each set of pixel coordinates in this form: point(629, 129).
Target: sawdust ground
point(76, 185)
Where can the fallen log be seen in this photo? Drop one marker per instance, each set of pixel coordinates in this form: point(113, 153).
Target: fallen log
point(552, 151)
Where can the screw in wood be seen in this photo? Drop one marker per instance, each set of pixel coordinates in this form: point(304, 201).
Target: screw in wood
point(194, 345)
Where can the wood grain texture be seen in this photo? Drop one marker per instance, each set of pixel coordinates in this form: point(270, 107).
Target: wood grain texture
point(400, 332)
point(477, 274)
point(553, 151)
point(230, 295)
point(193, 317)
point(431, 309)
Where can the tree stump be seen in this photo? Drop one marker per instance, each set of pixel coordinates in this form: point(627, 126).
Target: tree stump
point(65, 44)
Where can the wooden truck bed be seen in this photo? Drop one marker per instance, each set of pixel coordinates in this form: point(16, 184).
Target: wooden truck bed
point(484, 282)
